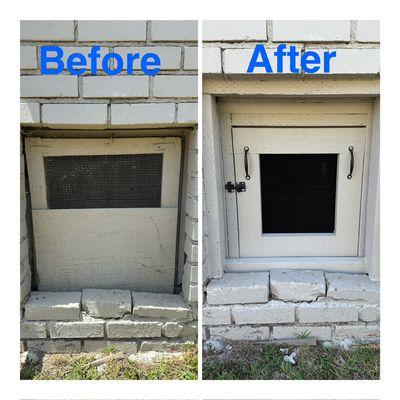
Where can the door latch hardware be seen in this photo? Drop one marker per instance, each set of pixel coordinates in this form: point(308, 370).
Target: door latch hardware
point(239, 187)
point(229, 186)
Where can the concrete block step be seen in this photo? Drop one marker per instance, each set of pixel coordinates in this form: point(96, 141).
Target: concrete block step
point(160, 305)
point(352, 287)
point(239, 288)
point(53, 306)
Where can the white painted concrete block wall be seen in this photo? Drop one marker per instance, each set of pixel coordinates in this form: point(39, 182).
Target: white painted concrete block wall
point(168, 99)
point(25, 268)
point(227, 45)
point(189, 279)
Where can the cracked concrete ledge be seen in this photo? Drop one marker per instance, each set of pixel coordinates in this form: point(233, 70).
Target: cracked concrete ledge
point(95, 319)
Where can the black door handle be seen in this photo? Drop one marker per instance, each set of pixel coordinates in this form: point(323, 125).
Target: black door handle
point(246, 162)
point(350, 175)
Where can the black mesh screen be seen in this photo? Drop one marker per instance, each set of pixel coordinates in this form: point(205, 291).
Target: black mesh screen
point(106, 181)
point(298, 192)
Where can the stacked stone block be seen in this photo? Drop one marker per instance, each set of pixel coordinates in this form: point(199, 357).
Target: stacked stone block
point(96, 319)
point(190, 272)
point(286, 304)
point(25, 267)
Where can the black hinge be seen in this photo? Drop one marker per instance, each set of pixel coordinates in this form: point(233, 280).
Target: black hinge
point(239, 187)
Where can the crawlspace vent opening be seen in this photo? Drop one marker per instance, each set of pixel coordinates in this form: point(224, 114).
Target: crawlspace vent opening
point(298, 193)
point(104, 181)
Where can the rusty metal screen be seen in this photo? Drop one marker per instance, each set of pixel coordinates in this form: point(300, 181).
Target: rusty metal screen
point(104, 181)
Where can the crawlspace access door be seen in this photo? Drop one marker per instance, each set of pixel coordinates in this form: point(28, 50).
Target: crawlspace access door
point(105, 212)
point(302, 190)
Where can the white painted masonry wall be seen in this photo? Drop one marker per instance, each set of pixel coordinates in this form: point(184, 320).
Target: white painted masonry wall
point(227, 47)
point(87, 103)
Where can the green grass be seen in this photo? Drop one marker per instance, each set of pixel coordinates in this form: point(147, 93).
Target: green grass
point(255, 361)
point(77, 367)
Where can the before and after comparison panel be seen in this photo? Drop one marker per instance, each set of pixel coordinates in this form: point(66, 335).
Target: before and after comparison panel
point(178, 228)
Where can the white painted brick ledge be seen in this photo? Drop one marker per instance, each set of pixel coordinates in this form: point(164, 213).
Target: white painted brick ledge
point(95, 115)
point(330, 306)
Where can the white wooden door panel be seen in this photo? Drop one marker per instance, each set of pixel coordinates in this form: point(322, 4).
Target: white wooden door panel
point(344, 240)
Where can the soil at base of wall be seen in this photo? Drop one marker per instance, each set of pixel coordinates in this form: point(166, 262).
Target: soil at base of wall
point(181, 366)
point(253, 361)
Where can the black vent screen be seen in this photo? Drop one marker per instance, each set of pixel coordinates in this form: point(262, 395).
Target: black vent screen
point(104, 181)
point(298, 192)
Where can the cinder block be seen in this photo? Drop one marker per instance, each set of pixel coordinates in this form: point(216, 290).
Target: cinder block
point(97, 346)
point(47, 30)
point(175, 86)
point(190, 62)
point(74, 114)
point(33, 330)
point(358, 332)
point(28, 58)
point(177, 31)
point(187, 113)
point(191, 250)
point(297, 285)
point(115, 86)
point(76, 330)
point(292, 332)
point(171, 329)
point(370, 313)
point(170, 56)
point(190, 330)
point(249, 333)
point(211, 60)
point(97, 31)
point(216, 315)
point(49, 86)
point(368, 31)
point(192, 164)
point(311, 31)
point(160, 305)
point(192, 208)
point(328, 311)
point(193, 141)
point(191, 271)
point(191, 228)
point(236, 61)
point(29, 113)
point(274, 312)
point(352, 61)
point(55, 346)
point(352, 287)
point(141, 114)
point(189, 290)
point(133, 329)
point(107, 303)
point(239, 288)
point(50, 306)
point(192, 189)
point(229, 31)
point(161, 346)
